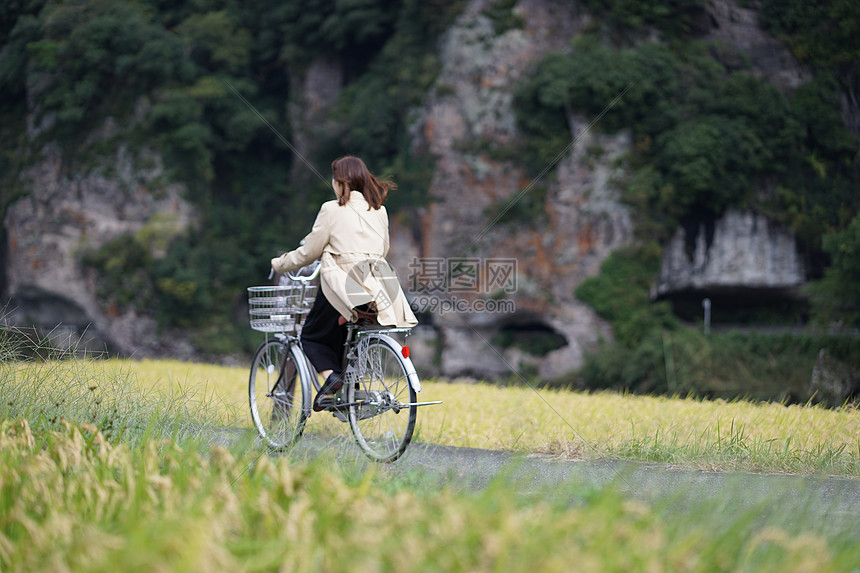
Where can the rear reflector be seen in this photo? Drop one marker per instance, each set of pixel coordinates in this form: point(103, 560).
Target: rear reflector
point(404, 351)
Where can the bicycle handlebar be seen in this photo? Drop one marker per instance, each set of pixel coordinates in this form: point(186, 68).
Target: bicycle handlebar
point(314, 273)
point(316, 264)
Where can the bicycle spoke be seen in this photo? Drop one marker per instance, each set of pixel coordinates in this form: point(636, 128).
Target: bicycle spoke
point(276, 394)
point(384, 429)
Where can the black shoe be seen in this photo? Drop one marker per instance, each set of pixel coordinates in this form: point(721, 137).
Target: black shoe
point(326, 396)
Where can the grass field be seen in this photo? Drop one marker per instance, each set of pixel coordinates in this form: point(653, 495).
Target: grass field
point(106, 465)
point(73, 501)
point(703, 434)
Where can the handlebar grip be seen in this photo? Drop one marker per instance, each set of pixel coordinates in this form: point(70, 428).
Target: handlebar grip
point(310, 277)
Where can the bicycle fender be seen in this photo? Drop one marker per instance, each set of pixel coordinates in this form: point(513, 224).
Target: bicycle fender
point(411, 374)
point(306, 372)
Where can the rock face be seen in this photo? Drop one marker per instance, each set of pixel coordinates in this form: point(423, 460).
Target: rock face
point(736, 29)
point(577, 222)
point(742, 250)
point(485, 215)
point(582, 220)
point(313, 93)
point(68, 213)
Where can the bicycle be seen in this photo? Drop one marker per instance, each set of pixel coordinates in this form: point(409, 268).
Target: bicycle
point(379, 395)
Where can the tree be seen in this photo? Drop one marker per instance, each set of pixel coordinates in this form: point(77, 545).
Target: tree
point(836, 297)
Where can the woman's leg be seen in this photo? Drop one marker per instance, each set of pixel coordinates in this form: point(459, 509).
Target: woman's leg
point(323, 338)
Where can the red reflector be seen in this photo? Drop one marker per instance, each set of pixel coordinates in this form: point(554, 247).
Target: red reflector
point(404, 351)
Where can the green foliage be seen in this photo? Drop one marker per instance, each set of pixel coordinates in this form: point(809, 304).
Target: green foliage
point(374, 110)
point(651, 354)
point(619, 367)
point(733, 365)
point(308, 29)
point(620, 294)
point(216, 42)
point(124, 270)
point(91, 50)
point(503, 17)
point(706, 137)
point(837, 296)
point(818, 193)
point(166, 71)
point(672, 17)
point(826, 34)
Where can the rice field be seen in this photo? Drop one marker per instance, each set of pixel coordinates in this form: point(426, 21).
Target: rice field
point(736, 435)
point(108, 465)
point(75, 501)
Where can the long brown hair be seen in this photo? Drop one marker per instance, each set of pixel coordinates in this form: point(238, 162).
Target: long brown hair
point(353, 174)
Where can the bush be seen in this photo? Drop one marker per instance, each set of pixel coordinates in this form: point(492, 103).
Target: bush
point(836, 296)
point(733, 365)
point(621, 295)
point(706, 137)
point(672, 17)
point(124, 269)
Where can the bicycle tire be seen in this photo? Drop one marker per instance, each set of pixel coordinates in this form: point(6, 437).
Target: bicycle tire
point(381, 428)
point(279, 393)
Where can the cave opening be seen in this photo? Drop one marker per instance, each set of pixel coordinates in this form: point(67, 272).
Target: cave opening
point(778, 307)
point(532, 337)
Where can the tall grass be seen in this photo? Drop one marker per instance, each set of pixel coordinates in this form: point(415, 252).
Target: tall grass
point(57, 387)
point(705, 434)
point(103, 468)
point(119, 396)
point(72, 500)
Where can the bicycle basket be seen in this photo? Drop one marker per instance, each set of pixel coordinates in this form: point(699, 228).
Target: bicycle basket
point(279, 308)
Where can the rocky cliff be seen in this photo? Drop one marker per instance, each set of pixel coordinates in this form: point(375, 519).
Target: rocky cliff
point(483, 209)
point(741, 250)
point(582, 219)
point(70, 211)
point(579, 219)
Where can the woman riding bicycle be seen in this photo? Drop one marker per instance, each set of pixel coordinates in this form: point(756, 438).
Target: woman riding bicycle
point(350, 236)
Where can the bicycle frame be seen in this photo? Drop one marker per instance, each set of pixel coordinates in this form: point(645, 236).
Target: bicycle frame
point(306, 371)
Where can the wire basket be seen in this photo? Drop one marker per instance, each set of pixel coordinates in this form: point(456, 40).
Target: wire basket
point(280, 308)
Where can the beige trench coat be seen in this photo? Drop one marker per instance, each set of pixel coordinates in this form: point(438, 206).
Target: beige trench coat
point(352, 242)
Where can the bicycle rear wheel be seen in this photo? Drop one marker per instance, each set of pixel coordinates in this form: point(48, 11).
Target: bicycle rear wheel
point(279, 398)
point(382, 415)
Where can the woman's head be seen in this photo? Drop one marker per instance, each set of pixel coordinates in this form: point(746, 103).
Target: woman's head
point(353, 175)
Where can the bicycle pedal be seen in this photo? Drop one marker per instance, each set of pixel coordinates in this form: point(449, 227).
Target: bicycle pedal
point(324, 402)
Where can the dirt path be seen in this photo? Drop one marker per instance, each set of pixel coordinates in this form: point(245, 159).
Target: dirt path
point(832, 501)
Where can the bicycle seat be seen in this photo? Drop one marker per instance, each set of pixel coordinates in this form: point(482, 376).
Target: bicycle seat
point(367, 314)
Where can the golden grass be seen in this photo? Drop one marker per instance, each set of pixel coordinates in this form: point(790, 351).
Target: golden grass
point(524, 419)
point(74, 501)
point(754, 435)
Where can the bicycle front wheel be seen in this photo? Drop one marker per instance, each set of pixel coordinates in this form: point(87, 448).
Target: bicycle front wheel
point(279, 398)
point(382, 414)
